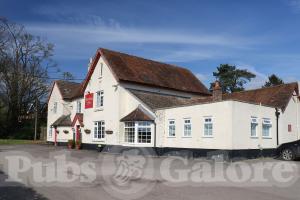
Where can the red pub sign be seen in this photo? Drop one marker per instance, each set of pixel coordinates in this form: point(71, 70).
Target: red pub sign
point(89, 100)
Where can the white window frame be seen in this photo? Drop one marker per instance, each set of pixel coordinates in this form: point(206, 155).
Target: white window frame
point(187, 133)
point(129, 128)
point(254, 121)
point(55, 105)
point(146, 126)
point(99, 134)
point(208, 132)
point(171, 128)
point(100, 99)
point(266, 122)
point(137, 126)
point(78, 106)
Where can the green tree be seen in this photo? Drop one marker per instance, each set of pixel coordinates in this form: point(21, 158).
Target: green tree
point(231, 78)
point(67, 76)
point(273, 80)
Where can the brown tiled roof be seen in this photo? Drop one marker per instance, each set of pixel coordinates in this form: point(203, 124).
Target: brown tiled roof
point(64, 120)
point(158, 100)
point(133, 69)
point(69, 90)
point(155, 100)
point(137, 115)
point(277, 97)
point(79, 117)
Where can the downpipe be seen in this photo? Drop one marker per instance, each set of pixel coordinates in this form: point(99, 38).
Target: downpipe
point(277, 114)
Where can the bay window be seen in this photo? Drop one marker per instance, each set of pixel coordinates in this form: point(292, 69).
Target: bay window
point(144, 132)
point(139, 132)
point(129, 132)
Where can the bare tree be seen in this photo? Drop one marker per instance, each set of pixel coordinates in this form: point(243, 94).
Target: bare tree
point(24, 61)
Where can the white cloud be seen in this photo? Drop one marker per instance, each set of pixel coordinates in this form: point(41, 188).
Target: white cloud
point(114, 33)
point(294, 4)
point(201, 77)
point(188, 55)
point(290, 79)
point(80, 38)
point(258, 81)
point(80, 34)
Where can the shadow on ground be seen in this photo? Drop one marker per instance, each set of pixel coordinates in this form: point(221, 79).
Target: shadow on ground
point(13, 193)
point(17, 191)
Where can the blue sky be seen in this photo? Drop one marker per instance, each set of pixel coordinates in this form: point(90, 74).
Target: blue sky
point(261, 36)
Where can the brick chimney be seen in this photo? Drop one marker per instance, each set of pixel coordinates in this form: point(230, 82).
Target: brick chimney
point(217, 92)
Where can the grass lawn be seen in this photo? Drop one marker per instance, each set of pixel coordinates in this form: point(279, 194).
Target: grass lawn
point(12, 141)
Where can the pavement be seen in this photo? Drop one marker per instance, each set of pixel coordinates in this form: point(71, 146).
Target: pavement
point(87, 174)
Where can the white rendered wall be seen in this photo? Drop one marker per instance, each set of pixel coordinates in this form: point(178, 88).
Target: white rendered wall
point(63, 108)
point(289, 117)
point(64, 137)
point(110, 110)
point(241, 135)
point(222, 126)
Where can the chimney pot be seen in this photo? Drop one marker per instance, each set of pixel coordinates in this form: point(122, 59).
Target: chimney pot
point(217, 92)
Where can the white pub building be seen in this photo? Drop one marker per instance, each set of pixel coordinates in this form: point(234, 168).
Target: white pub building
point(127, 101)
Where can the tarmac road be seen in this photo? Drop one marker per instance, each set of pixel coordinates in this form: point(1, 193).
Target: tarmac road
point(153, 184)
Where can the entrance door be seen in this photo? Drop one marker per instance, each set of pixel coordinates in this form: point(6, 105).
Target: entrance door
point(78, 136)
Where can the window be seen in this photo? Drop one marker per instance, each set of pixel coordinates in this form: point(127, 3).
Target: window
point(144, 132)
point(50, 131)
point(187, 128)
point(208, 127)
point(100, 97)
point(99, 130)
point(266, 126)
point(138, 132)
point(130, 132)
point(55, 108)
point(171, 128)
point(254, 124)
point(101, 70)
point(78, 107)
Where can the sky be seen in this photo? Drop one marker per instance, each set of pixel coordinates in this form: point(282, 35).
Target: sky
point(262, 36)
